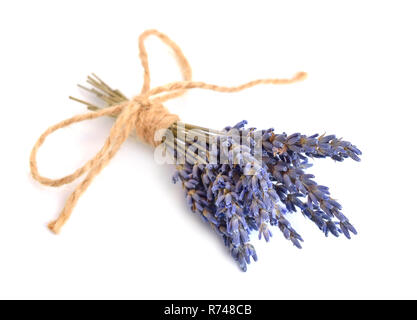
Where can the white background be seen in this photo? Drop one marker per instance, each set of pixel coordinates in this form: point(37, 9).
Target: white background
point(131, 234)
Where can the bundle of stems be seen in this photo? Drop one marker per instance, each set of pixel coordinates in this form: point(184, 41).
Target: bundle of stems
point(176, 142)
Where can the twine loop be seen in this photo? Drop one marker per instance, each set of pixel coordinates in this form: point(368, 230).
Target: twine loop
point(145, 114)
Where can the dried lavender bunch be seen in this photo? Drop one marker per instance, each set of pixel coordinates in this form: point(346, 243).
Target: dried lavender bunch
point(241, 180)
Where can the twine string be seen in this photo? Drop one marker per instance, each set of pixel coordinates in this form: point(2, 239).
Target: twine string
point(144, 113)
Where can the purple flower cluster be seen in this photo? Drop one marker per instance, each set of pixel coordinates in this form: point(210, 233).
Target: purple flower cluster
point(257, 186)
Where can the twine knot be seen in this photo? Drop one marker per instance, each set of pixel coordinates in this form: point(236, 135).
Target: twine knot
point(151, 117)
point(145, 114)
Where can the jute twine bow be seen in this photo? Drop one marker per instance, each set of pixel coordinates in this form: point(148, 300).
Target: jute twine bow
point(144, 113)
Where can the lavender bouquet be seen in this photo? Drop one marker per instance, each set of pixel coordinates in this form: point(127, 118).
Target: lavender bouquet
point(242, 180)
